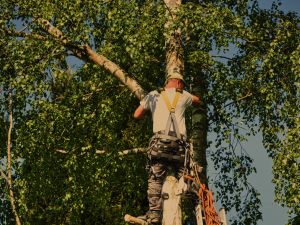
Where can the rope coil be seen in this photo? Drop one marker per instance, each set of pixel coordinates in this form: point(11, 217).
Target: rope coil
point(207, 202)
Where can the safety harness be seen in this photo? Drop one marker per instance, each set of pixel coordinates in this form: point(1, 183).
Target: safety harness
point(173, 147)
point(167, 144)
point(171, 108)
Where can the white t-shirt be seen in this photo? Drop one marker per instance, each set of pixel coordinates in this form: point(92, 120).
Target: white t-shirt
point(160, 113)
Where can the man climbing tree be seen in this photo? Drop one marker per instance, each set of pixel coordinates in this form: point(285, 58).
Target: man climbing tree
point(168, 144)
point(243, 60)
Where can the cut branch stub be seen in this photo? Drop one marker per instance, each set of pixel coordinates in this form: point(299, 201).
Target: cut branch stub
point(134, 220)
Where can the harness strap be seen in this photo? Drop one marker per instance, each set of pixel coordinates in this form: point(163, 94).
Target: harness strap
point(165, 136)
point(171, 109)
point(170, 157)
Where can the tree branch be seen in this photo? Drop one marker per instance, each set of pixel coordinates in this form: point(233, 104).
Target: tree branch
point(134, 220)
point(249, 94)
point(214, 115)
point(221, 56)
point(9, 32)
point(85, 52)
point(9, 162)
point(101, 152)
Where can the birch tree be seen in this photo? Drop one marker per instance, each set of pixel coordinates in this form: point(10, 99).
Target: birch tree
point(78, 68)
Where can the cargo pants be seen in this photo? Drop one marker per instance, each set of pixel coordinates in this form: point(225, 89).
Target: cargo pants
point(159, 169)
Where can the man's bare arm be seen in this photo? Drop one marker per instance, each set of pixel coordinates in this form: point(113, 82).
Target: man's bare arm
point(139, 112)
point(195, 100)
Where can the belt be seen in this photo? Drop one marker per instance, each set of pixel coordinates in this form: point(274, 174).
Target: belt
point(162, 135)
point(161, 154)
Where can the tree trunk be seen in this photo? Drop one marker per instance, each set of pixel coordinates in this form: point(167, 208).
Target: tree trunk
point(174, 53)
point(171, 205)
point(199, 128)
point(175, 62)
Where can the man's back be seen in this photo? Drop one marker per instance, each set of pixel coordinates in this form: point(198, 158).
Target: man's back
point(155, 102)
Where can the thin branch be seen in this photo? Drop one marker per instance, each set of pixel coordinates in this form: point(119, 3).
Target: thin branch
point(24, 35)
point(169, 10)
point(249, 94)
point(221, 56)
point(246, 96)
point(102, 152)
point(61, 151)
point(9, 162)
point(24, 28)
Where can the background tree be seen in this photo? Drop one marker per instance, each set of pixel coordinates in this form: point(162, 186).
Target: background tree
point(243, 61)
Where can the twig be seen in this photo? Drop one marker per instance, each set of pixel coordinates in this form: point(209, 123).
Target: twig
point(222, 57)
point(246, 96)
point(249, 94)
point(24, 28)
point(61, 151)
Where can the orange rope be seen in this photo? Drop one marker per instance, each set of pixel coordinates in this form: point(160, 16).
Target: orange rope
point(206, 196)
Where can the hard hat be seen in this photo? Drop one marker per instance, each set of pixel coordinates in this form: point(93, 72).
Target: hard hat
point(175, 75)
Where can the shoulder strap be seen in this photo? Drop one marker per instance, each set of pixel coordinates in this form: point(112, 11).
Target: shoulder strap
point(171, 109)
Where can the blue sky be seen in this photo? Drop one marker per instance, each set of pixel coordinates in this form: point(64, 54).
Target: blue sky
point(287, 5)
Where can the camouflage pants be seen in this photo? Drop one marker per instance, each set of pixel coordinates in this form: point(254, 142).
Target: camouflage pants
point(159, 169)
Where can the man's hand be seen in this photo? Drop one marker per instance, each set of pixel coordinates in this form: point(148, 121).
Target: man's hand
point(196, 100)
point(139, 112)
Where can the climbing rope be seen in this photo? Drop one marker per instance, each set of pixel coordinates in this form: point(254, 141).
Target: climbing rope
point(207, 202)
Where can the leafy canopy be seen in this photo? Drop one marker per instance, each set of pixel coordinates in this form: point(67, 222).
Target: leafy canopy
point(246, 59)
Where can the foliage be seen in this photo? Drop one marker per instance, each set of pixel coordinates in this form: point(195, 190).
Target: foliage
point(65, 110)
point(286, 170)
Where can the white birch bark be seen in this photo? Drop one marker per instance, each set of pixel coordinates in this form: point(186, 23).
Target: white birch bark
point(171, 205)
point(174, 54)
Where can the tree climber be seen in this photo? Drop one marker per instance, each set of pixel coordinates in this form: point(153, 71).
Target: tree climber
point(167, 146)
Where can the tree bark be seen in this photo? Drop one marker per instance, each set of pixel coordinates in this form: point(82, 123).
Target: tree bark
point(134, 220)
point(9, 163)
point(199, 128)
point(172, 205)
point(174, 53)
point(175, 62)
